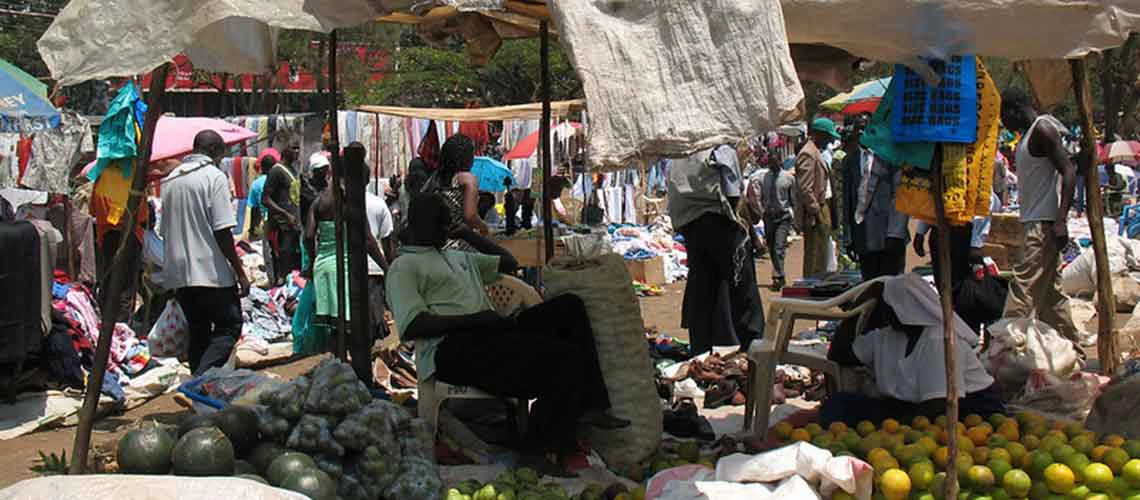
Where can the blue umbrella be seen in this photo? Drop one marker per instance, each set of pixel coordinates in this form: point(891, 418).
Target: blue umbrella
point(491, 174)
point(23, 106)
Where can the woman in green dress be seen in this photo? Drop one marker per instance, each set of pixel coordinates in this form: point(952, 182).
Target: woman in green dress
point(320, 241)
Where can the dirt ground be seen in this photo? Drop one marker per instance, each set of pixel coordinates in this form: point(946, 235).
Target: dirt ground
point(663, 312)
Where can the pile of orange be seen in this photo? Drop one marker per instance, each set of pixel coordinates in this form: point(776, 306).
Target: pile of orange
point(998, 458)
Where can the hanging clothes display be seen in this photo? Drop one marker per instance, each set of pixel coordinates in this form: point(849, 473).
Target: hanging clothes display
point(56, 151)
point(120, 130)
point(109, 200)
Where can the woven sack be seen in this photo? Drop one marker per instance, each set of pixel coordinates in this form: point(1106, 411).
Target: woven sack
point(603, 284)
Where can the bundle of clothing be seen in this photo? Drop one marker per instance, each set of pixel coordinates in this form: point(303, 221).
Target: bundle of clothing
point(646, 242)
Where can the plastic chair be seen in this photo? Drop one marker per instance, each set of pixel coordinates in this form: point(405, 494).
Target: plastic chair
point(507, 295)
point(765, 354)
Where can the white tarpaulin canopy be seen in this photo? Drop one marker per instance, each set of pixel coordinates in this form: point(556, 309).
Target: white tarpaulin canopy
point(94, 39)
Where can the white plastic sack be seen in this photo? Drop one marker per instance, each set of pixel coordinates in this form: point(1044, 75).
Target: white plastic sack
point(802, 460)
point(1020, 346)
point(673, 78)
point(128, 487)
point(170, 335)
point(1079, 277)
point(1062, 398)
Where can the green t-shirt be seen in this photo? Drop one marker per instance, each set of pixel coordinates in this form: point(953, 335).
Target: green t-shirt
point(442, 282)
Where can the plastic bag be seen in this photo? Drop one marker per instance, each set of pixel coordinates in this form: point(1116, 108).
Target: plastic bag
point(1019, 347)
point(1114, 412)
point(129, 487)
point(980, 301)
point(1066, 398)
point(336, 390)
point(170, 335)
point(801, 460)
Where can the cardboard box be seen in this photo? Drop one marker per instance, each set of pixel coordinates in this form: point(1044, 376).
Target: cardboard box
point(1005, 229)
point(649, 271)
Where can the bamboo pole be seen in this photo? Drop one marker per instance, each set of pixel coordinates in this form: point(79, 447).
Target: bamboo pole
point(1106, 345)
point(338, 199)
point(547, 202)
point(949, 341)
point(127, 252)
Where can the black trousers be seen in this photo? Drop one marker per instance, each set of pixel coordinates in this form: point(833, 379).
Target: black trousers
point(776, 230)
point(550, 357)
point(214, 318)
point(960, 237)
point(722, 303)
point(286, 252)
point(889, 261)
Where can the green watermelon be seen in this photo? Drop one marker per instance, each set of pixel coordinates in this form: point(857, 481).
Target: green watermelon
point(239, 424)
point(287, 465)
point(253, 477)
point(312, 483)
point(264, 454)
point(195, 421)
point(243, 467)
point(145, 450)
point(204, 451)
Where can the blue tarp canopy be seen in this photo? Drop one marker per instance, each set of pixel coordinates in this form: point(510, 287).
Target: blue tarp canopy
point(24, 107)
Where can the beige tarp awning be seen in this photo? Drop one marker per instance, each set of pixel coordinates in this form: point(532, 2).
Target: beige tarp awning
point(518, 112)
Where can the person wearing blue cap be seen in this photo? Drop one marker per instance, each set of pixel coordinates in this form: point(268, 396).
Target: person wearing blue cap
point(813, 215)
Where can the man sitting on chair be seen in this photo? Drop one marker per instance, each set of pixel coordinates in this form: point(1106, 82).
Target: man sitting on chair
point(546, 352)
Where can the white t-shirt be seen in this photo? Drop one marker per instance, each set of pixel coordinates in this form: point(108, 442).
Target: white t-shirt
point(196, 202)
point(921, 376)
point(379, 222)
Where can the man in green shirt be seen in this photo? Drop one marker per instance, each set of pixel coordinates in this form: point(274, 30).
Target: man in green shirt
point(546, 352)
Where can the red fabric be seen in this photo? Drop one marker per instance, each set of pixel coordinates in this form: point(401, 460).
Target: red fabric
point(478, 133)
point(864, 106)
point(239, 178)
point(23, 154)
point(430, 151)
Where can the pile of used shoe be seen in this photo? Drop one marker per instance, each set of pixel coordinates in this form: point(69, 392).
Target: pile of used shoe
point(794, 381)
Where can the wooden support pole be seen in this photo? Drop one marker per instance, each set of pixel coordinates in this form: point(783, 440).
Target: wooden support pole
point(355, 177)
point(67, 227)
point(1106, 345)
point(544, 138)
point(128, 251)
point(949, 336)
point(338, 200)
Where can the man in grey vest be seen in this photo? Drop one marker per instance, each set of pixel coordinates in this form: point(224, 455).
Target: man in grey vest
point(1042, 163)
point(722, 303)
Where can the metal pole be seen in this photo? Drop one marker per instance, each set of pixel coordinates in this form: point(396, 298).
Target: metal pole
point(949, 337)
point(338, 199)
point(118, 275)
point(1106, 345)
point(547, 202)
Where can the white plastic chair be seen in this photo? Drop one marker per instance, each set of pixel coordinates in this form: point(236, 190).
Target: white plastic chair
point(764, 355)
point(507, 295)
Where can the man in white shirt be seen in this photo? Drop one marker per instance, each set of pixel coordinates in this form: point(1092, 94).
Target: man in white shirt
point(200, 261)
point(381, 225)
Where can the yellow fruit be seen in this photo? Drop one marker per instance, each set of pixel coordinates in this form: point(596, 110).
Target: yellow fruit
point(921, 475)
point(1113, 440)
point(1059, 478)
point(801, 435)
point(1016, 451)
point(783, 430)
point(1098, 477)
point(823, 440)
point(929, 444)
point(1077, 463)
point(1115, 458)
point(1000, 454)
point(877, 454)
point(942, 457)
point(837, 428)
point(1073, 430)
point(999, 467)
point(940, 420)
point(1082, 443)
point(870, 442)
point(1131, 472)
point(895, 484)
point(920, 422)
point(1038, 461)
point(864, 428)
point(814, 428)
point(1048, 443)
point(911, 435)
point(1097, 453)
point(972, 420)
point(965, 445)
point(964, 463)
point(1016, 482)
point(1062, 452)
point(1031, 442)
point(891, 425)
point(980, 478)
point(1061, 436)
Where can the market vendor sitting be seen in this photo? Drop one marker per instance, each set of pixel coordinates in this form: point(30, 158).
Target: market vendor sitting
point(903, 348)
point(546, 352)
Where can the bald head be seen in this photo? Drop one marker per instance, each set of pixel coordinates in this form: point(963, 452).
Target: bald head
point(209, 143)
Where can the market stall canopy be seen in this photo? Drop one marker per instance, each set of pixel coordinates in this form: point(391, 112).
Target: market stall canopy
point(491, 174)
point(24, 106)
point(530, 111)
point(174, 136)
point(529, 144)
point(864, 98)
point(96, 39)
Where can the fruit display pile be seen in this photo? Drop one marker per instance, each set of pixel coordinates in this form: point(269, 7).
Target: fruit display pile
point(999, 458)
point(321, 434)
point(527, 484)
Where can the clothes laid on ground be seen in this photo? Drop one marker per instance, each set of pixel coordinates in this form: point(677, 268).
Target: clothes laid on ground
point(196, 203)
point(553, 359)
point(263, 317)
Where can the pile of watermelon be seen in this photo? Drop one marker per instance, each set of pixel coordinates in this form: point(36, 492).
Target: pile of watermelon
point(321, 435)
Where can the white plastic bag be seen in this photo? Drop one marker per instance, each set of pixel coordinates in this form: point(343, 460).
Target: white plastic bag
point(170, 335)
point(1020, 346)
point(129, 487)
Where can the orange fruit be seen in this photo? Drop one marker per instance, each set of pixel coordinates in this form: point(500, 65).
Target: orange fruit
point(1060, 478)
point(1031, 442)
point(1000, 454)
point(1060, 436)
point(864, 428)
point(837, 428)
point(1073, 429)
point(1098, 477)
point(978, 435)
point(801, 435)
point(1113, 440)
point(942, 457)
point(920, 422)
point(877, 454)
point(1009, 430)
point(783, 430)
point(1115, 458)
point(895, 484)
point(972, 420)
point(1097, 453)
point(929, 444)
point(997, 419)
point(814, 428)
point(1016, 482)
point(981, 455)
point(890, 425)
point(1016, 451)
